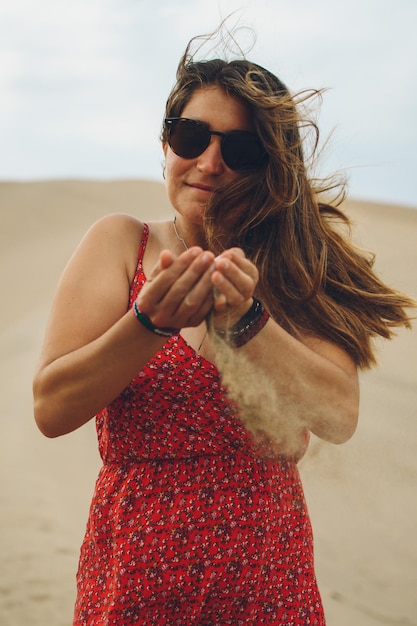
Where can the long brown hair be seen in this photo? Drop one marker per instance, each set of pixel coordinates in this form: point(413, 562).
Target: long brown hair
point(312, 278)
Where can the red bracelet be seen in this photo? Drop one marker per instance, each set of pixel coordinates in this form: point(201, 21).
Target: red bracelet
point(248, 326)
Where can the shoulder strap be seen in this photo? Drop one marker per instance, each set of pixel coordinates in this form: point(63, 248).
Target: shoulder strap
point(139, 277)
point(143, 243)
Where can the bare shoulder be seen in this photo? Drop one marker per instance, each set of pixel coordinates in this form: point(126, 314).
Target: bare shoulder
point(93, 291)
point(117, 227)
point(112, 239)
point(118, 222)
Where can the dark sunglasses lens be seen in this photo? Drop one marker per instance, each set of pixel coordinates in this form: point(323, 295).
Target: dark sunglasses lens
point(242, 150)
point(188, 138)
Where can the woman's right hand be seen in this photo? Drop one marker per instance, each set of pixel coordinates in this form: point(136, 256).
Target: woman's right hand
point(178, 292)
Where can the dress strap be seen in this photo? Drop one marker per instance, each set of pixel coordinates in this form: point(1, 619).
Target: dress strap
point(139, 278)
point(143, 242)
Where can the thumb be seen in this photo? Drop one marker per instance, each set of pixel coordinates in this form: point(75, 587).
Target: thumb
point(166, 258)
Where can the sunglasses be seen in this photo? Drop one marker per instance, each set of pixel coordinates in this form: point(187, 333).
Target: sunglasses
point(189, 138)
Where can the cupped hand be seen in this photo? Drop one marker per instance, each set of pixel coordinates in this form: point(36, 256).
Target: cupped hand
point(179, 291)
point(234, 280)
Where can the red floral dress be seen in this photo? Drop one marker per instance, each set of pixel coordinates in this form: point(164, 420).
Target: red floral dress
point(188, 523)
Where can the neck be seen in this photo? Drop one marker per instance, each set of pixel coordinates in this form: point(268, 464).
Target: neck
point(187, 237)
point(178, 236)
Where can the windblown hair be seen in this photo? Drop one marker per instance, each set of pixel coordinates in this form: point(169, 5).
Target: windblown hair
point(312, 278)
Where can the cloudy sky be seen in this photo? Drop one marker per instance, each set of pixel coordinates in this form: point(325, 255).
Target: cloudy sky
point(83, 83)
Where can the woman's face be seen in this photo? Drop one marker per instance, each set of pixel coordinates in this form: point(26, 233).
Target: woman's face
point(190, 182)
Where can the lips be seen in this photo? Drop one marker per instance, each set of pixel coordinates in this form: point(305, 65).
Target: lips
point(201, 187)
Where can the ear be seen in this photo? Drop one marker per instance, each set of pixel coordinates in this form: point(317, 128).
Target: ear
point(165, 147)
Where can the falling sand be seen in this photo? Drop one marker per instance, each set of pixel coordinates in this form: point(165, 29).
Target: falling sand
point(264, 409)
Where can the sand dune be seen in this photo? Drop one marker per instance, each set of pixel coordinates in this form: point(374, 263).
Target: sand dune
point(361, 496)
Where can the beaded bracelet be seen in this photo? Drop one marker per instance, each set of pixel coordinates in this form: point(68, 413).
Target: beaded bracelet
point(158, 330)
point(248, 326)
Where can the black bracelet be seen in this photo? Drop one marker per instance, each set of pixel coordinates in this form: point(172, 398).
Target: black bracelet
point(158, 330)
point(248, 326)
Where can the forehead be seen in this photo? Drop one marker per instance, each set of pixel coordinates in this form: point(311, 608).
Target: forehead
point(219, 109)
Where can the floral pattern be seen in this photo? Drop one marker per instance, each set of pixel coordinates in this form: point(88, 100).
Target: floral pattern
point(190, 522)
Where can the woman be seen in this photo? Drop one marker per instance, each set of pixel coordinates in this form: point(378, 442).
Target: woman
point(198, 516)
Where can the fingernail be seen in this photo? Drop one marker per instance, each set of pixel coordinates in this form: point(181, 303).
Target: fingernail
point(194, 251)
point(223, 263)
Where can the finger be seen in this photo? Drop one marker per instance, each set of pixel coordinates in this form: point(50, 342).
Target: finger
point(235, 277)
point(166, 300)
point(201, 313)
point(166, 258)
point(165, 273)
point(235, 285)
point(198, 302)
point(219, 300)
point(201, 289)
point(231, 252)
point(193, 285)
point(235, 257)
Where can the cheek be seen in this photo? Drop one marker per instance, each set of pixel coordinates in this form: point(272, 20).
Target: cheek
point(173, 174)
point(233, 177)
point(174, 165)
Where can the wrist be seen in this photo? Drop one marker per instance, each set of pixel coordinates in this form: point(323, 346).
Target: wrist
point(249, 325)
point(226, 318)
point(144, 319)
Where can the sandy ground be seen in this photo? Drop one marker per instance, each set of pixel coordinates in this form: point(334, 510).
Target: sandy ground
point(361, 496)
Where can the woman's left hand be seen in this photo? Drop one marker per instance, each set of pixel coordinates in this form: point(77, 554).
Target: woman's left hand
point(234, 280)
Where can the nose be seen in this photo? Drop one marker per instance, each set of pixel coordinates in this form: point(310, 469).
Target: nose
point(211, 160)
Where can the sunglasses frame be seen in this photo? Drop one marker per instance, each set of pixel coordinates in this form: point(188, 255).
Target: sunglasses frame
point(171, 123)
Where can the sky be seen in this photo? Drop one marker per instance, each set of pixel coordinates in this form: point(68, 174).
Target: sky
point(83, 83)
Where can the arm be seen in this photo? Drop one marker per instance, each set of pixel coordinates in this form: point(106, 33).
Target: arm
point(318, 380)
point(93, 346)
point(314, 381)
